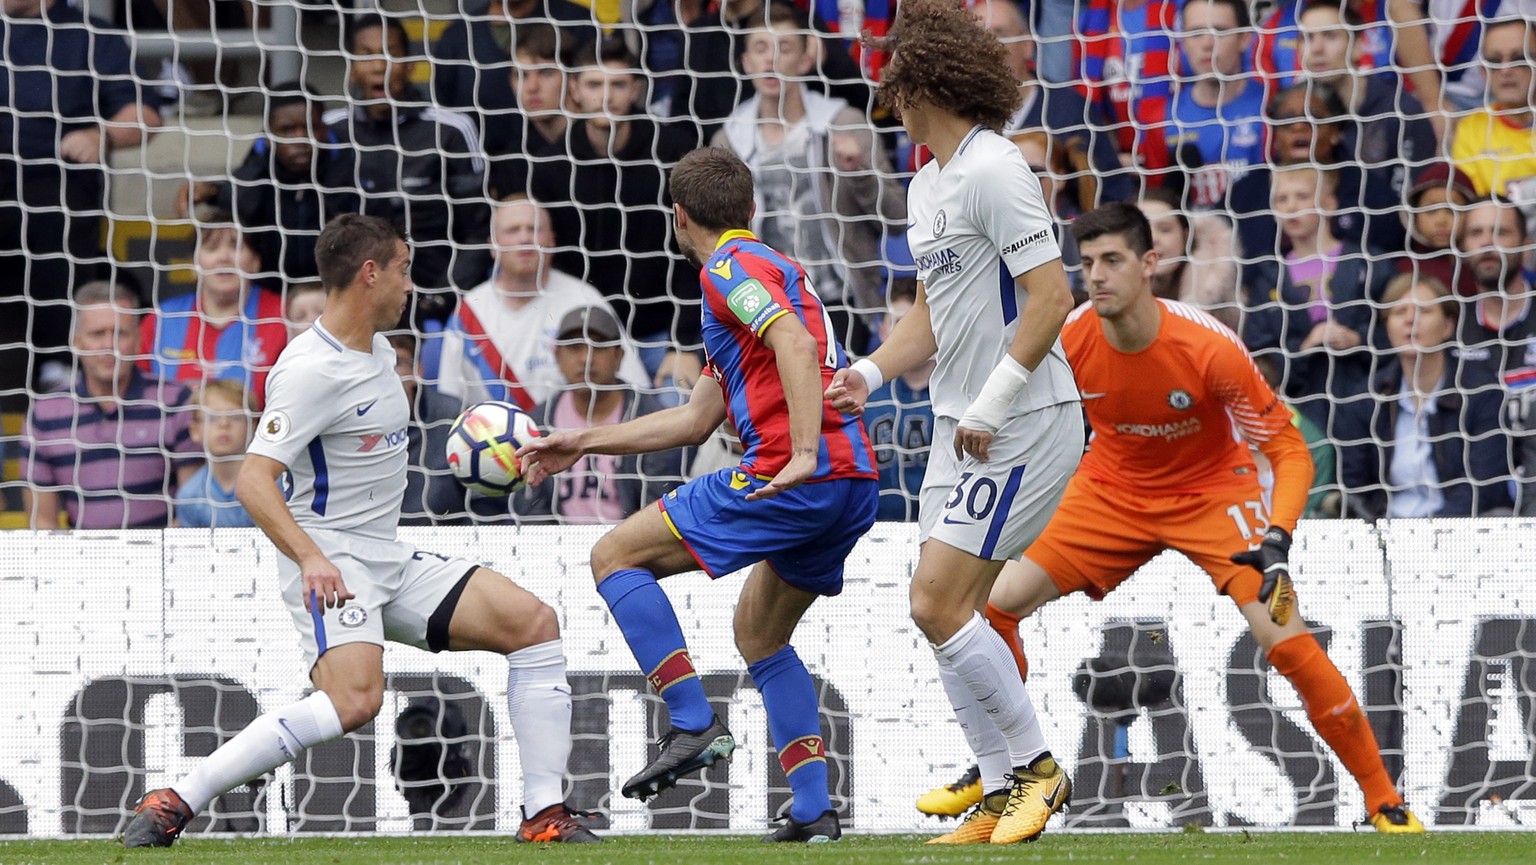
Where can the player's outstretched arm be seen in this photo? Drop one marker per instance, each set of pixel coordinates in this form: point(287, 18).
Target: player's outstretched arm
point(257, 490)
point(1047, 302)
point(684, 426)
point(910, 345)
point(799, 361)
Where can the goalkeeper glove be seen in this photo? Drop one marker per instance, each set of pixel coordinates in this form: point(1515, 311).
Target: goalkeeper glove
point(1272, 561)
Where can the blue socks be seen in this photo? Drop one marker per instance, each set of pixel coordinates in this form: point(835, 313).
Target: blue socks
point(789, 698)
point(644, 614)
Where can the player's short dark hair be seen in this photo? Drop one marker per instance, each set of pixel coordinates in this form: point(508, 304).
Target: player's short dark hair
point(941, 55)
point(1120, 218)
point(360, 21)
point(349, 240)
point(1239, 10)
point(715, 187)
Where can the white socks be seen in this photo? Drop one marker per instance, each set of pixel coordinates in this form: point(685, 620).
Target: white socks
point(270, 741)
point(981, 660)
point(981, 734)
point(539, 704)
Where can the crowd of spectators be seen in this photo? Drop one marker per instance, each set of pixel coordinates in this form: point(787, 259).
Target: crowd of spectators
point(1350, 185)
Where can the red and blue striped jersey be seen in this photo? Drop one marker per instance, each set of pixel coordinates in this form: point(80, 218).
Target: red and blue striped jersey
point(179, 345)
point(1277, 52)
point(747, 286)
point(1125, 57)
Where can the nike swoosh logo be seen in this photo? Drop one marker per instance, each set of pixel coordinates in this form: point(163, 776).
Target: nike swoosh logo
point(1054, 798)
point(284, 745)
point(950, 522)
point(1094, 395)
point(363, 409)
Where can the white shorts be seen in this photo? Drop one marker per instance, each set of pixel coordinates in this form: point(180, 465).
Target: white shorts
point(403, 595)
point(995, 509)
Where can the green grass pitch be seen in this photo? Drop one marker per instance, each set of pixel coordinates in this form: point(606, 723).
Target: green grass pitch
point(1483, 848)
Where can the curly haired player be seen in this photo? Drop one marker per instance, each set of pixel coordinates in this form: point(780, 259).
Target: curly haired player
point(1166, 388)
point(1008, 431)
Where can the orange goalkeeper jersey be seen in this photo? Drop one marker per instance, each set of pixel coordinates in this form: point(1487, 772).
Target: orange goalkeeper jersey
point(1173, 418)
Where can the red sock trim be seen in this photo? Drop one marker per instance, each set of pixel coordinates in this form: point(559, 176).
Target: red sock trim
point(676, 667)
point(806, 749)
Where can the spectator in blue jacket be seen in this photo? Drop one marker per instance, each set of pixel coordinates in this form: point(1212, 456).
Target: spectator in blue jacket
point(1426, 440)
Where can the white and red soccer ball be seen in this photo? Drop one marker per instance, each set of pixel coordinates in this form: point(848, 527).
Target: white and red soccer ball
point(482, 447)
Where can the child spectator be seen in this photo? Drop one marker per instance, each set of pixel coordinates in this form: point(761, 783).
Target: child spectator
point(221, 426)
point(229, 327)
point(1435, 203)
point(599, 489)
point(899, 418)
point(303, 306)
point(1319, 316)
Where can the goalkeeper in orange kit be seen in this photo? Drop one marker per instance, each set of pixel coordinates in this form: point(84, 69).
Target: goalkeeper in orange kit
point(1163, 385)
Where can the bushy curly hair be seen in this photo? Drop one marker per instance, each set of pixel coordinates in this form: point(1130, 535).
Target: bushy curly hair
point(941, 55)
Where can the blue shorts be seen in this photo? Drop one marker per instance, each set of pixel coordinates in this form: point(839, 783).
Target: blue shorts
point(804, 534)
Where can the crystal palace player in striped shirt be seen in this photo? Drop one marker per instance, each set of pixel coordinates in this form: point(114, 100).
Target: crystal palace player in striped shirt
point(805, 492)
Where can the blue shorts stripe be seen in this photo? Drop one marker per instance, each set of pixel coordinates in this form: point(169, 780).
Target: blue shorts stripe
point(318, 615)
point(322, 476)
point(1004, 507)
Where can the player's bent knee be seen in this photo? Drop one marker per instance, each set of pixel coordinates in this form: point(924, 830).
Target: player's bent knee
point(357, 706)
point(542, 626)
point(606, 558)
point(937, 617)
point(755, 646)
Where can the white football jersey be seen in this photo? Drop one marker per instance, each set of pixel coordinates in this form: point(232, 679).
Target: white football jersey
point(974, 226)
point(337, 418)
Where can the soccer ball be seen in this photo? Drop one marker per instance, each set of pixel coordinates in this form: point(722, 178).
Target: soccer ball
point(482, 447)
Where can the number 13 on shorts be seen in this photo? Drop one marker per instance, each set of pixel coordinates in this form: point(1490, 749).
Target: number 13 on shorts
point(1251, 517)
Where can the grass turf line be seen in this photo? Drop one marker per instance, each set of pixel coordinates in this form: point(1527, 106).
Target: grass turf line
point(1483, 848)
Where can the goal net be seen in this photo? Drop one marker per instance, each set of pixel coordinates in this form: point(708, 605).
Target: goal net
point(180, 158)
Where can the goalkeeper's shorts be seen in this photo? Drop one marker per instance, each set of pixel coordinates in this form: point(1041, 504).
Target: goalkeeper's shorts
point(1101, 534)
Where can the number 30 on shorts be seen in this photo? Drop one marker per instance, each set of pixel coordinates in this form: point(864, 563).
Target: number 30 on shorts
point(979, 500)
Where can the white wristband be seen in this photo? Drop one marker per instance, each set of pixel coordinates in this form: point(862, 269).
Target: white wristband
point(990, 410)
point(870, 372)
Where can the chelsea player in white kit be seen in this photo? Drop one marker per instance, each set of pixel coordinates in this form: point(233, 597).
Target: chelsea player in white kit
point(991, 300)
point(335, 423)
